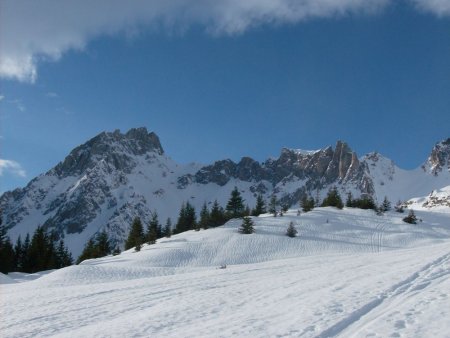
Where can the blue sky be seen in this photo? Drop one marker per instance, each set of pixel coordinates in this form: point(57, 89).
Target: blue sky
point(223, 81)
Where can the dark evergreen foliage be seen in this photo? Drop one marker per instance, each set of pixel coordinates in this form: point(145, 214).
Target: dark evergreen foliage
point(411, 218)
point(204, 217)
point(136, 235)
point(38, 254)
point(386, 205)
point(307, 203)
point(7, 258)
point(333, 199)
point(365, 202)
point(187, 219)
point(167, 232)
point(217, 215)
point(349, 201)
point(153, 229)
point(97, 247)
point(260, 207)
point(273, 205)
point(291, 230)
point(235, 206)
point(247, 226)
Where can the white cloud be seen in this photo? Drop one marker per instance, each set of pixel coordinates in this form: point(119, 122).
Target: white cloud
point(2, 97)
point(13, 167)
point(32, 31)
point(438, 7)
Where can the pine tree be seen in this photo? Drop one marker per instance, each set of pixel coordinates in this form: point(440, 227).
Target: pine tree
point(273, 205)
point(168, 228)
point(349, 201)
point(260, 207)
point(411, 218)
point(63, 255)
point(291, 230)
point(88, 251)
point(247, 226)
point(186, 219)
point(235, 206)
point(7, 258)
point(18, 254)
point(386, 205)
point(25, 258)
point(333, 199)
point(103, 246)
point(204, 217)
point(136, 235)
point(152, 229)
point(307, 203)
point(39, 250)
point(217, 215)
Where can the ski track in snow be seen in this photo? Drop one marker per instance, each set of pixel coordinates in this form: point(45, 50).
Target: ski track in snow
point(388, 301)
point(349, 273)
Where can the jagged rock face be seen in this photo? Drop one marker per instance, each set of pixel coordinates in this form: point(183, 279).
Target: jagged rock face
point(440, 157)
point(113, 148)
point(106, 182)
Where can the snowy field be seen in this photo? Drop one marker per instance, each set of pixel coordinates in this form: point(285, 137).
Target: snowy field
point(349, 273)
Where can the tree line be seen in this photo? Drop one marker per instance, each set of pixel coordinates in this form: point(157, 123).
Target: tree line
point(43, 251)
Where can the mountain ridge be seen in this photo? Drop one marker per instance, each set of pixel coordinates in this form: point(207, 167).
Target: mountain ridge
point(113, 177)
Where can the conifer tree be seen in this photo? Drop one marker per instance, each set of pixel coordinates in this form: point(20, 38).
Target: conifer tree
point(246, 226)
point(386, 205)
point(235, 206)
point(153, 229)
point(260, 207)
point(18, 254)
point(186, 219)
point(25, 258)
point(168, 228)
point(307, 203)
point(291, 230)
point(7, 258)
point(64, 257)
point(411, 218)
point(217, 215)
point(103, 246)
point(136, 235)
point(333, 199)
point(204, 217)
point(273, 205)
point(88, 251)
point(349, 201)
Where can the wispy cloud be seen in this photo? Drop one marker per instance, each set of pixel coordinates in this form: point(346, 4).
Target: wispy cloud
point(19, 104)
point(13, 167)
point(51, 95)
point(437, 7)
point(2, 97)
point(46, 29)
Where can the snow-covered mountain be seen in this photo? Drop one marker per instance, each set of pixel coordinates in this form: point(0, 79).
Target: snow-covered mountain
point(113, 177)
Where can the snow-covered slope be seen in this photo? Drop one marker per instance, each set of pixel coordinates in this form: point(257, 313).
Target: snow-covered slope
point(349, 273)
point(437, 200)
point(106, 182)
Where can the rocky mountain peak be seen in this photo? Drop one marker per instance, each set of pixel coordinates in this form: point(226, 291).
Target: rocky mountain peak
point(440, 157)
point(114, 148)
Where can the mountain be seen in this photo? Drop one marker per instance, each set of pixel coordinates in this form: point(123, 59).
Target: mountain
point(106, 182)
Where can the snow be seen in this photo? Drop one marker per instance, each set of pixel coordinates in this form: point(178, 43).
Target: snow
point(349, 273)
